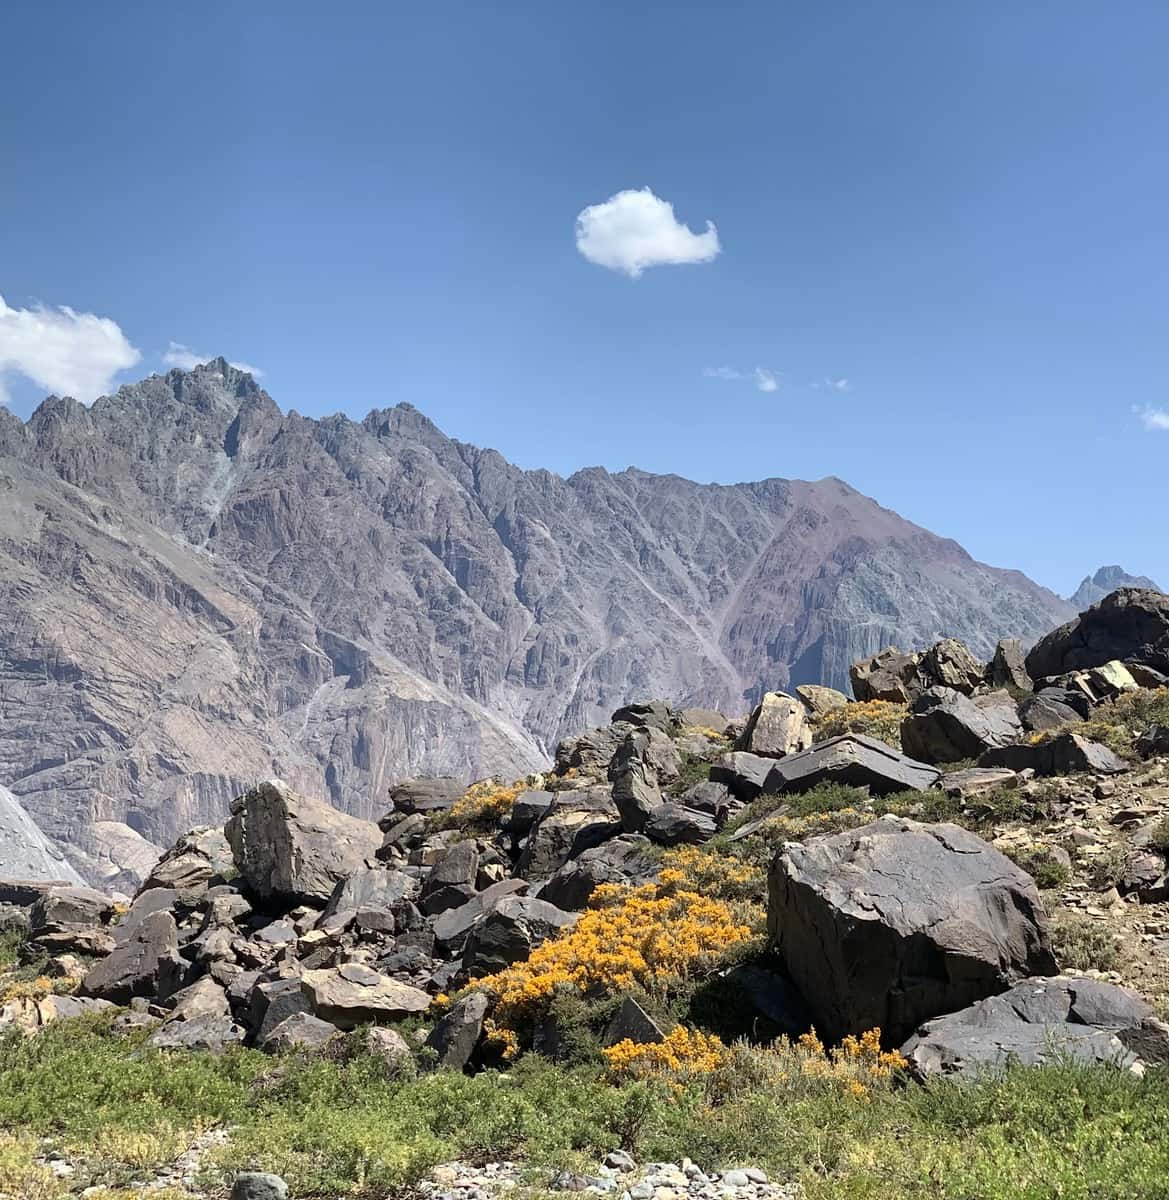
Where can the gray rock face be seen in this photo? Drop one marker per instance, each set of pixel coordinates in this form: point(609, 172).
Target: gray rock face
point(25, 852)
point(1063, 754)
point(455, 1037)
point(510, 931)
point(896, 922)
point(778, 726)
point(288, 845)
point(1130, 623)
point(347, 604)
point(351, 995)
point(1094, 588)
point(853, 759)
point(1041, 1019)
point(944, 725)
point(146, 964)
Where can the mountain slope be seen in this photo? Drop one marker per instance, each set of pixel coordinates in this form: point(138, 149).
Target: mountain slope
point(1106, 580)
point(199, 590)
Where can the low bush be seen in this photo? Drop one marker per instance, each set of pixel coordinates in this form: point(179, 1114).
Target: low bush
point(880, 719)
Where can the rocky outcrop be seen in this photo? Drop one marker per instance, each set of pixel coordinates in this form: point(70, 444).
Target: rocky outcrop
point(25, 852)
point(198, 591)
point(945, 726)
point(1106, 580)
point(894, 923)
point(1130, 623)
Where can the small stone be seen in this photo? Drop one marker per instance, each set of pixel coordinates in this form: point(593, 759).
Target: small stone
point(641, 1191)
point(736, 1179)
point(619, 1160)
point(258, 1185)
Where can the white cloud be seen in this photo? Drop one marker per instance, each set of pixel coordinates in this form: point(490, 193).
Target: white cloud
point(183, 357)
point(70, 353)
point(764, 378)
point(636, 229)
point(1156, 420)
point(838, 384)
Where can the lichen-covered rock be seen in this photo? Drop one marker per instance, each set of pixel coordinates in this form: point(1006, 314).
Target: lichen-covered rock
point(352, 995)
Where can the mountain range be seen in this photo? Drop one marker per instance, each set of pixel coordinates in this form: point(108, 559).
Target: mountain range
point(199, 590)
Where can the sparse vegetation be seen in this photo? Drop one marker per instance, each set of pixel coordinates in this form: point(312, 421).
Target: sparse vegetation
point(1043, 864)
point(879, 719)
point(1083, 944)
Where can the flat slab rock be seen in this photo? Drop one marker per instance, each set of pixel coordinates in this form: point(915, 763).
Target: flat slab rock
point(352, 995)
point(1041, 1019)
point(897, 922)
point(853, 759)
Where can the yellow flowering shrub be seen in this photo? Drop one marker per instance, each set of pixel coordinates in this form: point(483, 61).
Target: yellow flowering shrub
point(504, 1041)
point(647, 937)
point(795, 829)
point(681, 1056)
point(31, 989)
point(856, 1065)
point(721, 873)
point(879, 719)
point(483, 804)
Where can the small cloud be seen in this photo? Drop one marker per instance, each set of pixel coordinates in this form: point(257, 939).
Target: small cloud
point(1155, 420)
point(839, 384)
point(71, 353)
point(183, 357)
point(635, 229)
point(764, 378)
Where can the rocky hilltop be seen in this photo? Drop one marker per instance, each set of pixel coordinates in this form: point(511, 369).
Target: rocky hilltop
point(199, 591)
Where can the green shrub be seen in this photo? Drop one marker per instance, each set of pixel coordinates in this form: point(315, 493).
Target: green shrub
point(1043, 865)
point(1083, 944)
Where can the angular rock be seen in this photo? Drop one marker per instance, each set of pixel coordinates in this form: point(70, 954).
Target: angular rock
point(778, 726)
point(272, 1002)
point(654, 714)
point(889, 675)
point(388, 1045)
point(708, 718)
point(300, 1031)
point(712, 798)
point(852, 759)
point(578, 821)
point(510, 932)
point(744, 774)
point(351, 995)
point(1039, 1020)
point(528, 808)
point(631, 1022)
point(258, 1185)
point(950, 664)
point(1129, 624)
point(1154, 742)
point(945, 726)
point(289, 846)
point(193, 862)
point(894, 923)
point(820, 700)
point(451, 881)
point(623, 860)
point(426, 795)
point(1063, 754)
point(202, 998)
point(68, 907)
point(146, 964)
point(211, 1033)
point(590, 752)
point(371, 888)
point(973, 781)
point(455, 1037)
point(1008, 667)
point(676, 825)
point(452, 926)
point(1047, 709)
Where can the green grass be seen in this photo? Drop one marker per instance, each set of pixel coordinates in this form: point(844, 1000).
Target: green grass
point(345, 1127)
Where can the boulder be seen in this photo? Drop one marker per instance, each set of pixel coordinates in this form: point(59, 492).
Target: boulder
point(894, 923)
point(889, 675)
point(1008, 667)
point(147, 963)
point(820, 700)
point(950, 664)
point(68, 907)
point(590, 752)
point(455, 1037)
point(778, 726)
point(30, 1015)
point(1129, 624)
point(452, 927)
point(258, 1185)
point(712, 798)
point(1154, 742)
point(1039, 1020)
point(974, 781)
point(272, 1002)
point(425, 795)
point(528, 808)
point(623, 860)
point(288, 846)
point(744, 774)
point(212, 1033)
point(707, 718)
point(653, 714)
point(945, 726)
point(578, 821)
point(371, 888)
point(300, 1031)
point(632, 1023)
point(352, 995)
point(196, 860)
point(451, 881)
point(510, 932)
point(853, 759)
point(1063, 754)
point(675, 825)
point(1047, 709)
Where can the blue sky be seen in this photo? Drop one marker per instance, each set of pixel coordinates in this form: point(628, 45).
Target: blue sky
point(959, 209)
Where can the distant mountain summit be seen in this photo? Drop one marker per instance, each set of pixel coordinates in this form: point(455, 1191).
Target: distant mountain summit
point(1095, 587)
point(198, 591)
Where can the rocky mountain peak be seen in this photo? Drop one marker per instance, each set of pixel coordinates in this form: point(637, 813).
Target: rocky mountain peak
point(1094, 588)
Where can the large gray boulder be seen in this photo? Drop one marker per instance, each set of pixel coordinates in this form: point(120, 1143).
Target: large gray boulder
point(623, 860)
point(743, 773)
point(455, 1037)
point(287, 845)
point(431, 795)
point(944, 726)
point(510, 932)
point(853, 759)
point(451, 881)
point(193, 862)
point(1047, 709)
point(1039, 1020)
point(578, 821)
point(777, 726)
point(1130, 623)
point(676, 825)
point(1008, 667)
point(896, 922)
point(950, 664)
